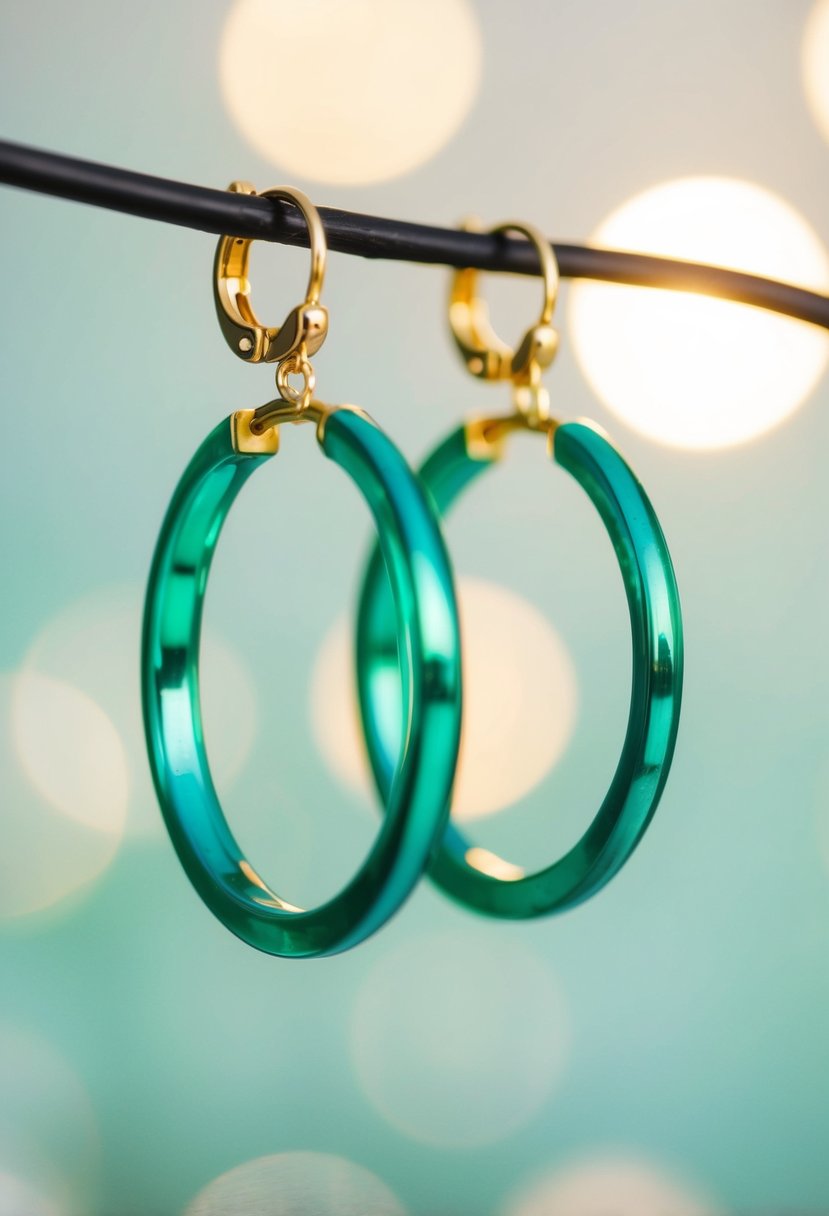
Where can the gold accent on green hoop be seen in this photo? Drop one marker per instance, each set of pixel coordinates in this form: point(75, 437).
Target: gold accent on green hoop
point(486, 437)
point(249, 442)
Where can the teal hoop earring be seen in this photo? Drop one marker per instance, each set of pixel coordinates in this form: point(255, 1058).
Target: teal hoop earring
point(425, 631)
point(653, 602)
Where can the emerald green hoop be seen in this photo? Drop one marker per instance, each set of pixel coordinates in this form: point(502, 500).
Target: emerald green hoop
point(425, 627)
point(656, 627)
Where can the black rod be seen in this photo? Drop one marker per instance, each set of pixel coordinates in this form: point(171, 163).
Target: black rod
point(369, 236)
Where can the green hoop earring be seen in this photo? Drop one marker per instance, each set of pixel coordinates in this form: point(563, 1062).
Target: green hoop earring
point(425, 623)
point(425, 630)
point(477, 881)
point(656, 629)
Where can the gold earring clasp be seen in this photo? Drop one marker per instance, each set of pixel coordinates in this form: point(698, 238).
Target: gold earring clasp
point(486, 356)
point(303, 331)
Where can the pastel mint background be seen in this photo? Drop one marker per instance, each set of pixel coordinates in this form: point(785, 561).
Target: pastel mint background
point(679, 1018)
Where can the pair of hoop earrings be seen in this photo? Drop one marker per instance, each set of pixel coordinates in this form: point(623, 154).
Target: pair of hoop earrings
point(407, 623)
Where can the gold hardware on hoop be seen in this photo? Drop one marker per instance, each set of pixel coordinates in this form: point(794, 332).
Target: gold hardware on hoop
point(485, 438)
point(489, 358)
point(303, 331)
point(296, 365)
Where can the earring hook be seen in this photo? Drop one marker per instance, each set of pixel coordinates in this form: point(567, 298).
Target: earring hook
point(303, 331)
point(486, 356)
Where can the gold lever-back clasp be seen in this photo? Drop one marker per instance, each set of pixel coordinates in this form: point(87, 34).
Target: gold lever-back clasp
point(303, 331)
point(484, 353)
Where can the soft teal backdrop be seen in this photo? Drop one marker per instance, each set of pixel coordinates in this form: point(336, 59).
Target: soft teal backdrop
point(679, 1019)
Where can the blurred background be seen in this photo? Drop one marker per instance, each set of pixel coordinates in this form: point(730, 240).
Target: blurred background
point(661, 1050)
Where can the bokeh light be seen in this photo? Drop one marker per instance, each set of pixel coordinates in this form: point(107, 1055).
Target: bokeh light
point(662, 1045)
point(695, 372)
point(519, 709)
point(62, 829)
point(333, 710)
point(70, 751)
point(458, 1038)
point(815, 64)
point(352, 92)
point(94, 645)
point(19, 1198)
point(520, 698)
point(296, 1184)
point(49, 1145)
point(623, 1186)
point(823, 834)
point(822, 816)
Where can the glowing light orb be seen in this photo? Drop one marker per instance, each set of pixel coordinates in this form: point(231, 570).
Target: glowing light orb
point(296, 1184)
point(689, 371)
point(333, 709)
point(520, 701)
point(621, 1185)
point(18, 1198)
point(94, 645)
point(459, 1037)
point(822, 819)
point(815, 64)
point(351, 92)
point(63, 791)
point(49, 1144)
point(70, 751)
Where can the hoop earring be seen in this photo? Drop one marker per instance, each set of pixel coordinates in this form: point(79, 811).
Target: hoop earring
point(425, 626)
point(472, 876)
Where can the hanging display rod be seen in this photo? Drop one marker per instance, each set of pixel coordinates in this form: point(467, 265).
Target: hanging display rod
point(369, 236)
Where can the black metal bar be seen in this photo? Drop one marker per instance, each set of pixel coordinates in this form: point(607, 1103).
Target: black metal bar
point(370, 236)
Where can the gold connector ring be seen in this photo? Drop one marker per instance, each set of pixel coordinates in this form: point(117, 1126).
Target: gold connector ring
point(296, 365)
point(305, 327)
point(484, 354)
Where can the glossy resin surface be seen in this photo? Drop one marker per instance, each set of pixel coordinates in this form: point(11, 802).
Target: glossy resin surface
point(656, 630)
point(424, 631)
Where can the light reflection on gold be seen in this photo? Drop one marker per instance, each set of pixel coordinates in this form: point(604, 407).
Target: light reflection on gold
point(492, 864)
